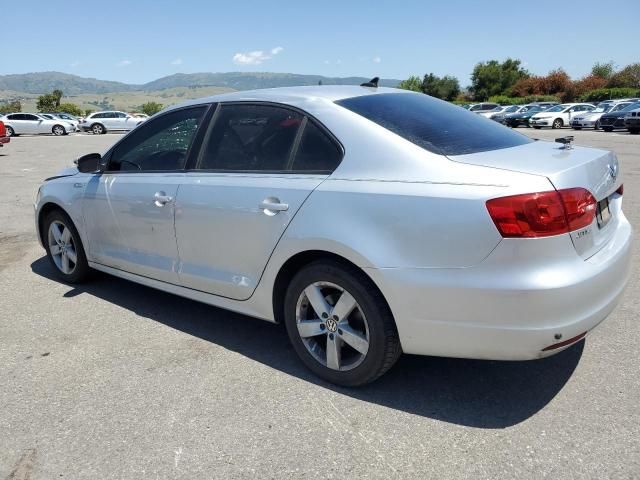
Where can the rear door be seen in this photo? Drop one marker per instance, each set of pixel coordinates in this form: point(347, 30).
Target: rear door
point(259, 163)
point(129, 209)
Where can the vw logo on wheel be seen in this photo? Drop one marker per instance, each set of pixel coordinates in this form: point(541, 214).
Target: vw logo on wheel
point(332, 325)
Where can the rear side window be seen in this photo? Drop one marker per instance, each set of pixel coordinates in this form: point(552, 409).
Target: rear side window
point(435, 125)
point(251, 138)
point(316, 152)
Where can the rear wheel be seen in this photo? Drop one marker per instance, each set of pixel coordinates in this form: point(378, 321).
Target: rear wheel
point(64, 248)
point(557, 123)
point(10, 132)
point(58, 130)
point(97, 129)
point(339, 324)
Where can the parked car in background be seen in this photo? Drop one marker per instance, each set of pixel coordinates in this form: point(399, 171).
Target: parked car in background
point(632, 121)
point(4, 138)
point(66, 117)
point(110, 121)
point(483, 107)
point(592, 119)
point(284, 215)
point(522, 117)
point(34, 124)
point(559, 115)
point(615, 120)
point(498, 110)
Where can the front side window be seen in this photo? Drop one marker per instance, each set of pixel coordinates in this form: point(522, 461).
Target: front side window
point(158, 145)
point(251, 138)
point(435, 125)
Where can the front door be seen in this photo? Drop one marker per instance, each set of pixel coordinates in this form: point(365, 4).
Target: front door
point(258, 165)
point(129, 210)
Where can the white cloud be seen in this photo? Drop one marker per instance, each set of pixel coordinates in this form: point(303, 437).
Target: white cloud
point(177, 61)
point(256, 57)
point(377, 59)
point(124, 63)
point(74, 64)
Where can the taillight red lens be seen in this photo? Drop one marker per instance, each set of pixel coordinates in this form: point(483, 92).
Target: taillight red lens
point(542, 214)
point(620, 190)
point(3, 130)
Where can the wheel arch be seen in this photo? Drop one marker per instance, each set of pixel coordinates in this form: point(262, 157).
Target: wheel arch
point(298, 261)
point(45, 210)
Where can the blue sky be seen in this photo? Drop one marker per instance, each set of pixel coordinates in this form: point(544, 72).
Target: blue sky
point(140, 40)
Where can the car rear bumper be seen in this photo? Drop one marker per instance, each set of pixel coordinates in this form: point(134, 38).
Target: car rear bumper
point(583, 124)
point(514, 305)
point(4, 140)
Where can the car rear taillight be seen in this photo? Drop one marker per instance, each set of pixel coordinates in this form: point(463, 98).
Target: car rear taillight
point(620, 190)
point(3, 130)
point(542, 214)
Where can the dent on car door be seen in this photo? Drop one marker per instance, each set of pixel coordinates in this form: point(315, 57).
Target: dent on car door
point(129, 210)
point(258, 165)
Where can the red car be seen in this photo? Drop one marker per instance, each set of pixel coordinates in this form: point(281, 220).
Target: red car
point(3, 135)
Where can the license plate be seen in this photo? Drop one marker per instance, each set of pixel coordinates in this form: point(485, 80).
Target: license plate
point(603, 213)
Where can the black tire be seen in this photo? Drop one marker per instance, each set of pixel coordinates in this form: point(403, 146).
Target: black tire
point(557, 123)
point(607, 129)
point(537, 128)
point(384, 344)
point(597, 125)
point(98, 129)
point(10, 131)
point(58, 130)
point(577, 128)
point(634, 131)
point(81, 268)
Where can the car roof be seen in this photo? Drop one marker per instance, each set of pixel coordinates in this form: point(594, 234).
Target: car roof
point(293, 95)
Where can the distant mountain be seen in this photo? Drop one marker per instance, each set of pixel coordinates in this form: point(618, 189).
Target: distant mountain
point(44, 82)
point(253, 80)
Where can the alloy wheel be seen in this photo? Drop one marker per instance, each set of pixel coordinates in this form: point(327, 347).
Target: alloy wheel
point(332, 326)
point(58, 130)
point(61, 247)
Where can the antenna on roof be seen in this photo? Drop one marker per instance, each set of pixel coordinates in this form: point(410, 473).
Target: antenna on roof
point(371, 83)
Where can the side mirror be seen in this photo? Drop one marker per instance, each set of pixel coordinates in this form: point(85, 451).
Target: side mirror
point(89, 163)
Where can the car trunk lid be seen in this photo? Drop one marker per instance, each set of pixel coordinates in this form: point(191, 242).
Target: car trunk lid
point(590, 168)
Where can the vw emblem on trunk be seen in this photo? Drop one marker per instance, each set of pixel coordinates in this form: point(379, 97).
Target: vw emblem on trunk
point(613, 170)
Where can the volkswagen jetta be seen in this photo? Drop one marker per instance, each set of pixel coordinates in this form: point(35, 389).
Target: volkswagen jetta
point(371, 221)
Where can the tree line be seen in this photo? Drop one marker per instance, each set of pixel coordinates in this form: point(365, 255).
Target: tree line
point(510, 82)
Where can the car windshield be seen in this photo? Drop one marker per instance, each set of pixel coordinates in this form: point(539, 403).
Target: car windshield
point(433, 124)
point(631, 106)
point(558, 108)
point(512, 108)
point(602, 109)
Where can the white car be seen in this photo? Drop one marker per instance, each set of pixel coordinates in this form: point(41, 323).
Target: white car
point(592, 119)
point(560, 115)
point(67, 119)
point(371, 221)
point(504, 109)
point(33, 124)
point(103, 122)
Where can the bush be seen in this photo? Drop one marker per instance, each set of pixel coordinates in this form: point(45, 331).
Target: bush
point(70, 108)
point(151, 108)
point(10, 107)
point(504, 100)
point(609, 93)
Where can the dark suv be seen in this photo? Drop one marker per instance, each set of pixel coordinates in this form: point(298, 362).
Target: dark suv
point(615, 120)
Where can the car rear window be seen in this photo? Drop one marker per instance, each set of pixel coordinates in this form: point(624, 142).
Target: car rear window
point(435, 125)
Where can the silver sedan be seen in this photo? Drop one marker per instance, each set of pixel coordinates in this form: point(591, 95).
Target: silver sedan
point(370, 221)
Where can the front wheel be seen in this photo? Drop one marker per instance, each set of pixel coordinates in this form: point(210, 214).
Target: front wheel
point(557, 123)
point(537, 128)
point(607, 129)
point(597, 125)
point(339, 324)
point(58, 130)
point(577, 128)
point(634, 131)
point(64, 248)
point(97, 129)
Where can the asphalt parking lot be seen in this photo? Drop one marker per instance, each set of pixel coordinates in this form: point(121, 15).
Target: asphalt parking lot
point(111, 380)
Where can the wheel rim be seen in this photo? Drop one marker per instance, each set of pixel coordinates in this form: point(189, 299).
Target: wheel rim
point(332, 326)
point(9, 132)
point(97, 129)
point(556, 124)
point(61, 246)
point(58, 130)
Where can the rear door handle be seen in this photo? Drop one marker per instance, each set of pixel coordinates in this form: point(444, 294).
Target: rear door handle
point(161, 199)
point(273, 206)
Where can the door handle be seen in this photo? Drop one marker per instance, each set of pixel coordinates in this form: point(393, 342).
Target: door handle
point(161, 199)
point(271, 206)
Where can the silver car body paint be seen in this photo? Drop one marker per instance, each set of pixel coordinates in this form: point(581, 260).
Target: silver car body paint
point(414, 221)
